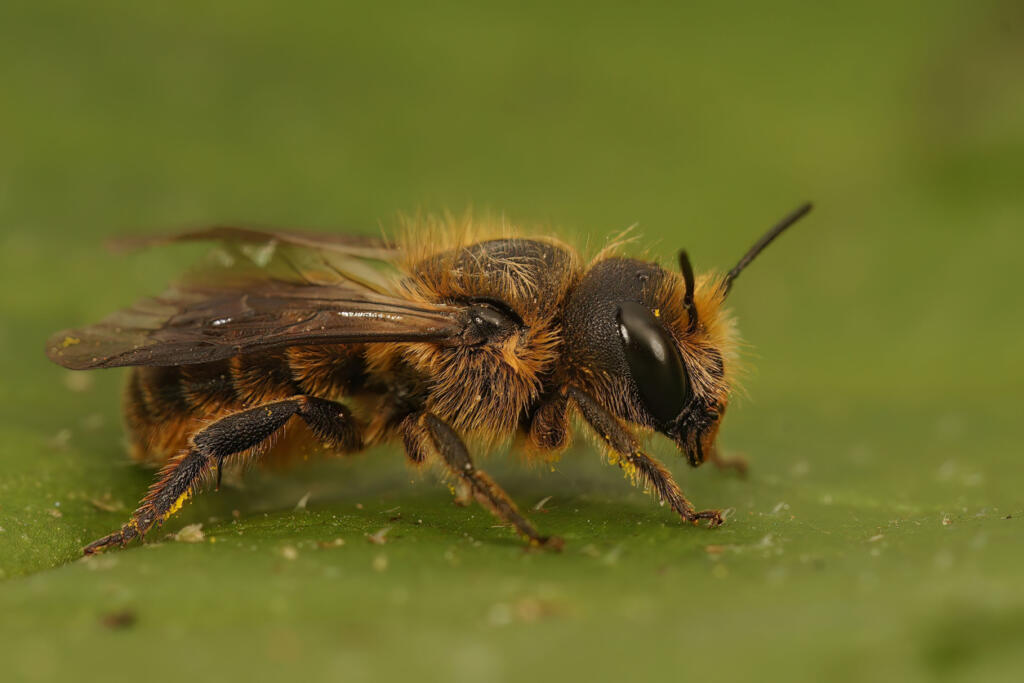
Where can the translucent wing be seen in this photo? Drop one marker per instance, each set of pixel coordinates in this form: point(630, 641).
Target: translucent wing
point(363, 246)
point(290, 254)
point(262, 290)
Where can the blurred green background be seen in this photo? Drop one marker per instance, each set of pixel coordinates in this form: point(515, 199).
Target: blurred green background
point(879, 534)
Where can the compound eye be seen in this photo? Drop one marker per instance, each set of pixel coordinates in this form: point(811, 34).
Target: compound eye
point(654, 360)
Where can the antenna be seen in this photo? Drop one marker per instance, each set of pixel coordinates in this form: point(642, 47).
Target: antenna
point(691, 310)
point(759, 246)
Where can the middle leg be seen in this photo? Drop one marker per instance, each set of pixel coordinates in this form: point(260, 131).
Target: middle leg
point(425, 431)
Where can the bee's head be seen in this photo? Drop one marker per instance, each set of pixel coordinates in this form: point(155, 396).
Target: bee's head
point(653, 345)
point(650, 345)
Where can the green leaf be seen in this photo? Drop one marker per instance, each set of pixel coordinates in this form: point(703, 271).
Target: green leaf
point(878, 536)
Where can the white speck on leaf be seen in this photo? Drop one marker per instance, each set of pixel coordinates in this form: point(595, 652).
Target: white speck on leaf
point(379, 537)
point(193, 533)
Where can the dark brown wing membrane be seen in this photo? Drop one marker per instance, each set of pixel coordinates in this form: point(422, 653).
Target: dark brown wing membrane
point(201, 324)
point(261, 289)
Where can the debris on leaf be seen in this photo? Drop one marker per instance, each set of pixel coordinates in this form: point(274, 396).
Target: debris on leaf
point(380, 563)
point(526, 610)
point(379, 537)
point(119, 620)
point(106, 503)
point(54, 512)
point(193, 533)
point(289, 552)
point(301, 505)
point(336, 543)
point(539, 507)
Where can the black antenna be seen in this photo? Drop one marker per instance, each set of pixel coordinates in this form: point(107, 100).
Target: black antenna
point(759, 246)
point(691, 310)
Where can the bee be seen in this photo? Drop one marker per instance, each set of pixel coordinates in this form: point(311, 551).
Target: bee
point(293, 340)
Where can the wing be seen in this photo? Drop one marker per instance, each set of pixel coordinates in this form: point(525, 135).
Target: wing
point(189, 326)
point(289, 254)
point(258, 293)
point(362, 246)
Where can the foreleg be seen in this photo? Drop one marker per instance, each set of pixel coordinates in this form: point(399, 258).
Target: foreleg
point(644, 467)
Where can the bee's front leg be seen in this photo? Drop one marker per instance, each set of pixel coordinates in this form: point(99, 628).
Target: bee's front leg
point(425, 431)
point(637, 463)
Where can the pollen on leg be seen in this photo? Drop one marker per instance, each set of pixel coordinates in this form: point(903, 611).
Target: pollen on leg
point(176, 505)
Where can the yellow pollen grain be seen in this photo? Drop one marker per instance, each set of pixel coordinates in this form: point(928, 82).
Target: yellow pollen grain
point(178, 503)
point(70, 341)
point(657, 312)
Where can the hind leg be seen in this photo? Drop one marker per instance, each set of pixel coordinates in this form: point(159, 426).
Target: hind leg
point(244, 432)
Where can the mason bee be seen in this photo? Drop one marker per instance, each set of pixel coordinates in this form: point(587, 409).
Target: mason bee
point(293, 340)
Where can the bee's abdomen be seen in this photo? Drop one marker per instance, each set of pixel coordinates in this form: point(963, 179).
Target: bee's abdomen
point(165, 405)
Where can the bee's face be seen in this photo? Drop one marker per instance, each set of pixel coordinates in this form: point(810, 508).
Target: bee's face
point(631, 345)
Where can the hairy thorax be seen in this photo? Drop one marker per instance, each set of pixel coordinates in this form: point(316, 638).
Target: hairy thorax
point(485, 389)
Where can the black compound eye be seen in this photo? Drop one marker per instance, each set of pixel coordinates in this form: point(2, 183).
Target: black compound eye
point(654, 360)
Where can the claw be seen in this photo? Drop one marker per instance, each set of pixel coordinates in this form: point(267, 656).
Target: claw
point(96, 546)
point(554, 543)
point(121, 538)
point(714, 518)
